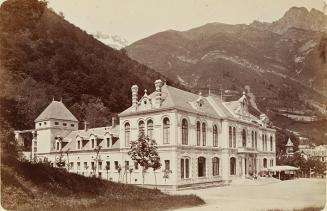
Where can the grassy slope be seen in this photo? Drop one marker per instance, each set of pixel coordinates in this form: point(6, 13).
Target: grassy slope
point(37, 186)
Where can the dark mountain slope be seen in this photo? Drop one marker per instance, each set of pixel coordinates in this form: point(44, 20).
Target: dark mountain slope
point(44, 56)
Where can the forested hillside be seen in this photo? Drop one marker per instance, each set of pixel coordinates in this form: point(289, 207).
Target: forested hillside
point(44, 57)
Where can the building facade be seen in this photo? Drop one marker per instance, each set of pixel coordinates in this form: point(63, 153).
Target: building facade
point(201, 140)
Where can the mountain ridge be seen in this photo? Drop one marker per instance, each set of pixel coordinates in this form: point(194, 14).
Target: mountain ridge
point(44, 56)
point(283, 69)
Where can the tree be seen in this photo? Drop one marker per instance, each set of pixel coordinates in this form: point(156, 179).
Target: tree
point(96, 159)
point(144, 152)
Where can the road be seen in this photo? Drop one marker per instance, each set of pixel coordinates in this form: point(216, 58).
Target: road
point(285, 195)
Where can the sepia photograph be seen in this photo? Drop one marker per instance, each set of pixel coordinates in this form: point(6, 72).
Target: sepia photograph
point(154, 105)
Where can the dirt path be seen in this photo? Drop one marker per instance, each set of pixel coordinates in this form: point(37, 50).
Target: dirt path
point(285, 195)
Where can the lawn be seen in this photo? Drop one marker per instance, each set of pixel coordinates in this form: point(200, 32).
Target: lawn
point(26, 186)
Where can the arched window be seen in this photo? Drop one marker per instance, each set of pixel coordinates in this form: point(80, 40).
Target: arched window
point(78, 144)
point(198, 133)
point(230, 137)
point(184, 132)
point(266, 149)
point(234, 137)
point(243, 138)
point(252, 138)
point(271, 143)
point(150, 128)
point(215, 136)
point(232, 166)
point(265, 162)
point(204, 134)
point(166, 126)
point(127, 134)
point(201, 167)
point(215, 166)
point(141, 128)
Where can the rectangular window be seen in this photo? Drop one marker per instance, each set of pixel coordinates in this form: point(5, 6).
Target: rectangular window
point(108, 142)
point(136, 165)
point(182, 168)
point(107, 165)
point(64, 124)
point(85, 166)
point(126, 165)
point(185, 172)
point(230, 137)
point(71, 165)
point(167, 164)
point(45, 123)
point(72, 125)
point(78, 165)
point(100, 165)
point(78, 145)
point(116, 165)
point(92, 143)
point(35, 146)
point(56, 123)
point(92, 165)
point(234, 137)
point(187, 168)
point(40, 124)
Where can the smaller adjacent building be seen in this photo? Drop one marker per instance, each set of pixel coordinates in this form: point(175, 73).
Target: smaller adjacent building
point(318, 152)
point(289, 148)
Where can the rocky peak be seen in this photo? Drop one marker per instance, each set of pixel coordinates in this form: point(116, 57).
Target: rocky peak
point(296, 17)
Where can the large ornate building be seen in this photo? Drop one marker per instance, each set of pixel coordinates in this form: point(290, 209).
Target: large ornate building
point(201, 140)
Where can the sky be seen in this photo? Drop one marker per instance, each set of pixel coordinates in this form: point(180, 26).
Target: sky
point(137, 19)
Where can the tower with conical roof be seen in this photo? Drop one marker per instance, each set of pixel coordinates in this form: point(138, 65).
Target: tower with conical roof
point(54, 123)
point(289, 147)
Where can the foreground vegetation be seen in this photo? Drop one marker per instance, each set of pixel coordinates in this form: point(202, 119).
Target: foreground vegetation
point(38, 186)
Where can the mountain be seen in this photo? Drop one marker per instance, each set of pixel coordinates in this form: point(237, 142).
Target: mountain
point(44, 56)
point(113, 41)
point(297, 17)
point(281, 65)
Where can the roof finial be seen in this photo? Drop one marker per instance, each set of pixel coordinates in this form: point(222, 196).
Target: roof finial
point(145, 92)
point(243, 92)
point(52, 98)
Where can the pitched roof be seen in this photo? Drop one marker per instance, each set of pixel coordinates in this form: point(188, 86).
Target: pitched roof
point(56, 110)
point(99, 132)
point(175, 98)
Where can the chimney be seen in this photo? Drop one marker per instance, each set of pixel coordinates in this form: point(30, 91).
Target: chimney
point(158, 85)
point(135, 90)
point(85, 125)
point(113, 121)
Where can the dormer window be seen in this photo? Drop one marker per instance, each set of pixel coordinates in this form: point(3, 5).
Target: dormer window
point(108, 142)
point(92, 143)
point(78, 144)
